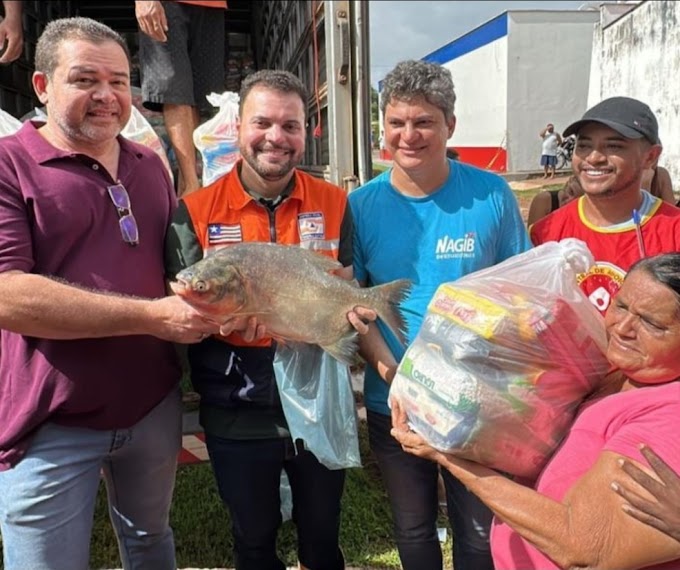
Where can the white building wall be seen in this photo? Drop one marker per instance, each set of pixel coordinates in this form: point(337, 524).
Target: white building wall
point(480, 79)
point(513, 75)
point(548, 74)
point(638, 56)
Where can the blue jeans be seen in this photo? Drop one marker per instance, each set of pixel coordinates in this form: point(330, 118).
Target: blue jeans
point(248, 475)
point(47, 500)
point(411, 484)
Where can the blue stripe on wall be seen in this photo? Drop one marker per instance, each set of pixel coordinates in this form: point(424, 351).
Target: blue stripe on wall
point(481, 36)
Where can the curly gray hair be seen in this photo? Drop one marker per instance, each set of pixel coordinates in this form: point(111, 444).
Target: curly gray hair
point(411, 79)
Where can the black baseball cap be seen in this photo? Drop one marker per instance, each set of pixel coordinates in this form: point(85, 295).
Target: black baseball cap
point(628, 117)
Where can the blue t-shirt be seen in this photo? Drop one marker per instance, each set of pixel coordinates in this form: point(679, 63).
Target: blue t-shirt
point(470, 223)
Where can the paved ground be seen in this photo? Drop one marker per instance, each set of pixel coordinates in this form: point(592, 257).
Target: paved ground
point(536, 183)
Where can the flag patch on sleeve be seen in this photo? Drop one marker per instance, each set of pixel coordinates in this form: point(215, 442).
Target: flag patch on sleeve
point(224, 233)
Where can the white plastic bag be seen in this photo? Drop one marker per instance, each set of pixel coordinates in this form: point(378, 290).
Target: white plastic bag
point(217, 138)
point(503, 359)
point(139, 130)
point(318, 402)
point(8, 124)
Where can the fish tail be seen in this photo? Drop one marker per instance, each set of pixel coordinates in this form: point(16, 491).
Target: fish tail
point(387, 298)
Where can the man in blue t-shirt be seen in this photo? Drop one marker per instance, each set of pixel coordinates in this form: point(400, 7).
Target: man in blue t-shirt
point(431, 220)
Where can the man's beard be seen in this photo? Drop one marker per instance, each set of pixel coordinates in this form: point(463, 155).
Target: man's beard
point(86, 132)
point(269, 171)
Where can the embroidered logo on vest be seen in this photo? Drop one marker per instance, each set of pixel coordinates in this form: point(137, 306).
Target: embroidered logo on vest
point(311, 226)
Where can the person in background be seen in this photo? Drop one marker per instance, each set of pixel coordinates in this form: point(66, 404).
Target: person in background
point(657, 181)
point(429, 219)
point(88, 372)
point(381, 145)
point(547, 201)
point(660, 508)
point(570, 518)
point(551, 141)
point(452, 153)
point(181, 56)
point(617, 139)
point(11, 31)
point(264, 198)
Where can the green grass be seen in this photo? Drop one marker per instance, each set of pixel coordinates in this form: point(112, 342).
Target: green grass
point(202, 527)
point(379, 168)
point(528, 194)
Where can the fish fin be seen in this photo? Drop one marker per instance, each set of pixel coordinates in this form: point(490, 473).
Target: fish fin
point(344, 349)
point(387, 298)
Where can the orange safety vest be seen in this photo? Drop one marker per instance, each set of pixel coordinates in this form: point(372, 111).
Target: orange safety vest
point(223, 214)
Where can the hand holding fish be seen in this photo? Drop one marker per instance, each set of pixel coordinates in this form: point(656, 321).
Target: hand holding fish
point(360, 317)
point(248, 327)
point(174, 320)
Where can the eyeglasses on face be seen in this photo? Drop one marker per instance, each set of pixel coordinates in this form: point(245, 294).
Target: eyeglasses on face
point(126, 220)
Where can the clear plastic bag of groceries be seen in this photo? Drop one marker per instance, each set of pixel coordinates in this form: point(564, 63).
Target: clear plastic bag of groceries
point(503, 359)
point(217, 138)
point(139, 130)
point(8, 124)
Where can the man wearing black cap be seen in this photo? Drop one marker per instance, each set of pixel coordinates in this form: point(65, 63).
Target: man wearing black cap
point(616, 140)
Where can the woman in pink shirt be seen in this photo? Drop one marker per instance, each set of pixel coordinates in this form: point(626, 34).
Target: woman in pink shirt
point(570, 518)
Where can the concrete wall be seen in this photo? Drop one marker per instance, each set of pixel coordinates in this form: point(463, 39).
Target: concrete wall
point(478, 64)
point(638, 56)
point(480, 79)
point(513, 74)
point(548, 72)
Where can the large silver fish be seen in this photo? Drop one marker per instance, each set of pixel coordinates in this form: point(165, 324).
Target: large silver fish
point(292, 293)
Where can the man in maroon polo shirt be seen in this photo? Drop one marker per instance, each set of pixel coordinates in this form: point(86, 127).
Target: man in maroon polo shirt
point(88, 374)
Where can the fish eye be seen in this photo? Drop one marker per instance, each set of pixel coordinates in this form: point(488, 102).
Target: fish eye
point(200, 286)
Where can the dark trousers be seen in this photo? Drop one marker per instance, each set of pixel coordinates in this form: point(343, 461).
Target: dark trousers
point(411, 484)
point(248, 474)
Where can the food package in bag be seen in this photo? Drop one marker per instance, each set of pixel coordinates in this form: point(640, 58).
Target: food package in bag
point(8, 124)
point(503, 359)
point(217, 138)
point(139, 130)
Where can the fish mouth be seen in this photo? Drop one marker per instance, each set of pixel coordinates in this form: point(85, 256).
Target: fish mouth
point(179, 287)
point(183, 286)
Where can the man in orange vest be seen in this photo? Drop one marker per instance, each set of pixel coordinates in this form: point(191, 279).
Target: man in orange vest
point(264, 198)
point(181, 57)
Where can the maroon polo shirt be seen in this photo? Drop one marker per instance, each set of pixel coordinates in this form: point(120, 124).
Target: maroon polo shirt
point(56, 219)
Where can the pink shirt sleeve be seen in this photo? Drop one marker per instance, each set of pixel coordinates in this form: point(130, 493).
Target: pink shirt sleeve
point(655, 424)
